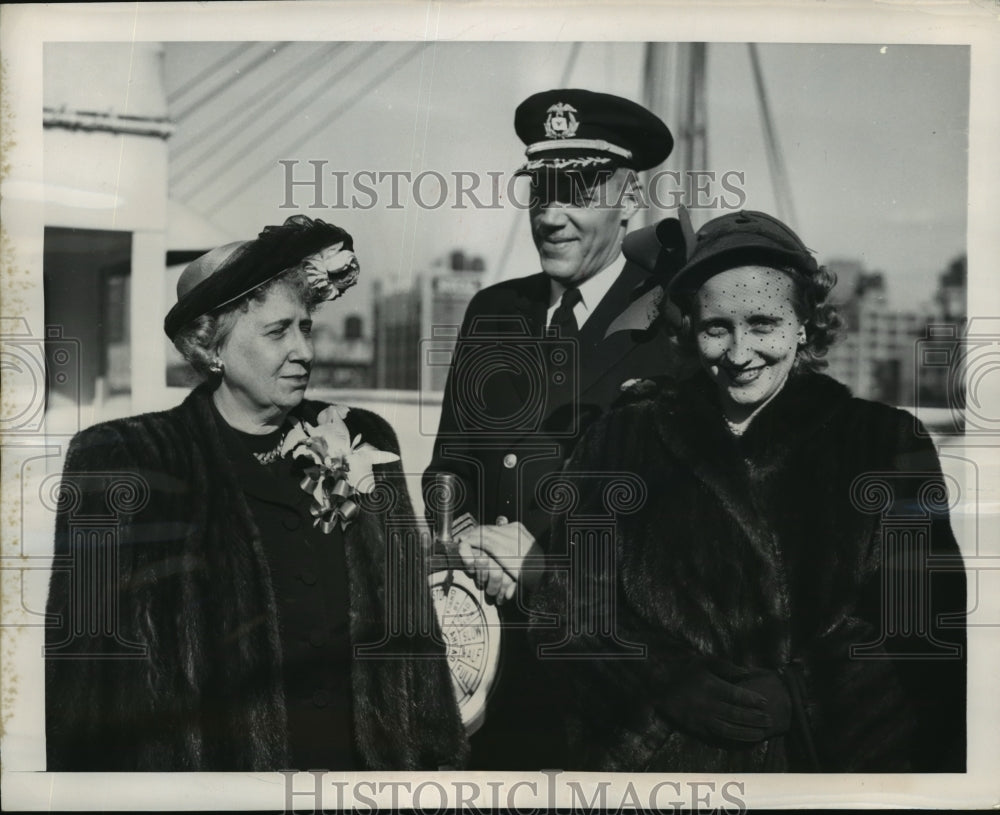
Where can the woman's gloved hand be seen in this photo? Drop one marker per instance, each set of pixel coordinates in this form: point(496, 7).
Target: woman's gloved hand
point(770, 686)
point(743, 706)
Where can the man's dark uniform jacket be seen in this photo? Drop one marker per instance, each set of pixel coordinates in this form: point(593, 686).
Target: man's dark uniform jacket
point(509, 418)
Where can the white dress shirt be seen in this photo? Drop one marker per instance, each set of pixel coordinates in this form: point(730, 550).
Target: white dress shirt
point(592, 291)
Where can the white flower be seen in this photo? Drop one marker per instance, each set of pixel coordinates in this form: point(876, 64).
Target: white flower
point(360, 460)
point(326, 443)
point(329, 445)
point(327, 413)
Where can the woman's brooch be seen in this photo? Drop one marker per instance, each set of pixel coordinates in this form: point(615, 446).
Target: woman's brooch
point(334, 466)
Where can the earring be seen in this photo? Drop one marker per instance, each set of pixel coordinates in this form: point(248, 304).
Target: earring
point(802, 335)
point(216, 366)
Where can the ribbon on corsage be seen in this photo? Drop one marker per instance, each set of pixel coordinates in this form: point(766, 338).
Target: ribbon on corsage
point(335, 467)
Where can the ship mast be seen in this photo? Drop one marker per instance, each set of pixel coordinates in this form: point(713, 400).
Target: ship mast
point(674, 82)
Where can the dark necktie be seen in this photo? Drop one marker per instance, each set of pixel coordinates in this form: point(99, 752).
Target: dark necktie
point(561, 362)
point(563, 317)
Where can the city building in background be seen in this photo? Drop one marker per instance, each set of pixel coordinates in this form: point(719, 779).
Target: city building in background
point(343, 356)
point(874, 355)
point(132, 171)
point(877, 354)
point(939, 360)
point(430, 310)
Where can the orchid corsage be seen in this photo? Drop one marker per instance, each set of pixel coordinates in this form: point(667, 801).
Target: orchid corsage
point(335, 467)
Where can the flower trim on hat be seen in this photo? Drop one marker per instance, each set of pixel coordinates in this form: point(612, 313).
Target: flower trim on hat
point(332, 271)
point(323, 251)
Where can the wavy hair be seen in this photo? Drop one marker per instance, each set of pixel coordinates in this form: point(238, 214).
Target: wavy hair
point(200, 340)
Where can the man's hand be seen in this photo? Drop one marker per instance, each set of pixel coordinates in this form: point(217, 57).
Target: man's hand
point(494, 555)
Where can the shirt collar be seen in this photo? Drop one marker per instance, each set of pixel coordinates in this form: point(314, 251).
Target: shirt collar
point(592, 290)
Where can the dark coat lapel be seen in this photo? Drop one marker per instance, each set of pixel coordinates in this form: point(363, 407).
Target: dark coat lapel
point(531, 303)
point(598, 355)
point(601, 353)
point(614, 302)
point(527, 300)
point(693, 429)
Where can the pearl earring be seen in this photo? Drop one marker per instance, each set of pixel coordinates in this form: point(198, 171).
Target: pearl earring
point(216, 366)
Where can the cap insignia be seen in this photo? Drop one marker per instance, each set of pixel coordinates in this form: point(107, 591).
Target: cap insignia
point(561, 121)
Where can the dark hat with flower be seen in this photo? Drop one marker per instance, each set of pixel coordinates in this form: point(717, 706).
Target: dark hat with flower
point(577, 130)
point(227, 273)
point(744, 238)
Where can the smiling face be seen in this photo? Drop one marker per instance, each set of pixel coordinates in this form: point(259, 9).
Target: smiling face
point(266, 358)
point(747, 334)
point(578, 227)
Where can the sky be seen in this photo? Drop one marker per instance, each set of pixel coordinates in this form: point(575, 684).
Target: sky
point(874, 140)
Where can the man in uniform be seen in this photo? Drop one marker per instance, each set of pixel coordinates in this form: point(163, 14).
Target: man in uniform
point(538, 357)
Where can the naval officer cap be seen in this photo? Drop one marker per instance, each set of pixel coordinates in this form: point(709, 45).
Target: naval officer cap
point(578, 130)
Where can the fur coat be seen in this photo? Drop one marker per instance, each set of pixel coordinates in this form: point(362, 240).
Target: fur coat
point(777, 550)
point(183, 617)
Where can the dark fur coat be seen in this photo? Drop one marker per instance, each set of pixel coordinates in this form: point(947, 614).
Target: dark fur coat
point(779, 550)
point(176, 683)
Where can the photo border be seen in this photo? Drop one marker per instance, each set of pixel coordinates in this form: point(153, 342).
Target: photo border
point(24, 29)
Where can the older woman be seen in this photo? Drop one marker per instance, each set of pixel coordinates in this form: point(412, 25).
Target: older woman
point(782, 589)
point(249, 627)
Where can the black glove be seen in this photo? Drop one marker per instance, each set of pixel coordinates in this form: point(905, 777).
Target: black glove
point(717, 710)
point(772, 688)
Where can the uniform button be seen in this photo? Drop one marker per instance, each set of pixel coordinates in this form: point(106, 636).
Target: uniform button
point(291, 522)
point(502, 520)
point(321, 698)
point(308, 578)
point(316, 638)
point(509, 461)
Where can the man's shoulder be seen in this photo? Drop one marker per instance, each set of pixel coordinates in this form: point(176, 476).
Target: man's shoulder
point(528, 286)
point(508, 307)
